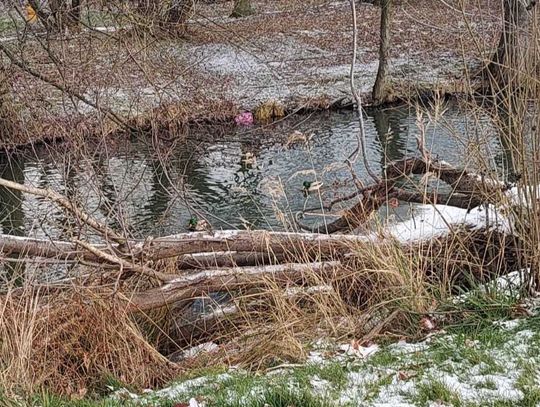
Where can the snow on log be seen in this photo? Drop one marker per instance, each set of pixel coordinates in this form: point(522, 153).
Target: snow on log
point(189, 286)
point(432, 221)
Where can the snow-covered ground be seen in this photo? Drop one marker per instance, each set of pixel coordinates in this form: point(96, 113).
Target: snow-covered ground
point(495, 364)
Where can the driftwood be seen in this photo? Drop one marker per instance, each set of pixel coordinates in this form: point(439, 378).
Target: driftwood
point(468, 190)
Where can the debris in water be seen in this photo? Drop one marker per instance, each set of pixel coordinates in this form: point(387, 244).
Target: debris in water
point(393, 202)
point(244, 119)
point(269, 110)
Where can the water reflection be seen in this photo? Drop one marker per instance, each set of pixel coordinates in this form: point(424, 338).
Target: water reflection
point(134, 189)
point(12, 217)
point(389, 132)
point(157, 207)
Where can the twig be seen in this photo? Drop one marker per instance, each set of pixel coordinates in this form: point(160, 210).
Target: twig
point(61, 200)
point(145, 271)
point(361, 145)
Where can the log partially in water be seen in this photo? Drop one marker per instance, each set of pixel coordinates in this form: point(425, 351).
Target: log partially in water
point(468, 190)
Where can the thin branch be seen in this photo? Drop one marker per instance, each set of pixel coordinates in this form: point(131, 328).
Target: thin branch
point(61, 200)
point(361, 145)
point(145, 271)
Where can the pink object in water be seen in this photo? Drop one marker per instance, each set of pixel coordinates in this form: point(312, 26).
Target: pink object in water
point(244, 119)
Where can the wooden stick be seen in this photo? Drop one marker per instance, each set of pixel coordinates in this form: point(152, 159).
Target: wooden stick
point(61, 200)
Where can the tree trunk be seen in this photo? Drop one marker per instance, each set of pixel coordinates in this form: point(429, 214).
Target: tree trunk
point(510, 60)
point(59, 12)
point(242, 8)
point(380, 89)
point(74, 14)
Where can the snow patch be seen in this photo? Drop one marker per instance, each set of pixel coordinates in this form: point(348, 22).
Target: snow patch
point(320, 386)
point(197, 350)
point(406, 347)
point(359, 351)
point(431, 221)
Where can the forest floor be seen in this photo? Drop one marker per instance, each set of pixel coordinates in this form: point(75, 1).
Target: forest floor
point(295, 52)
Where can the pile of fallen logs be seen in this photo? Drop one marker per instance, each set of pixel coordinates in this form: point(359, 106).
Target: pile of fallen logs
point(226, 260)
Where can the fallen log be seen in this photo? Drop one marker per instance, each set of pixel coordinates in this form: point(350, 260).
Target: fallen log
point(293, 244)
point(75, 251)
point(197, 261)
point(468, 190)
point(274, 245)
point(52, 249)
point(188, 287)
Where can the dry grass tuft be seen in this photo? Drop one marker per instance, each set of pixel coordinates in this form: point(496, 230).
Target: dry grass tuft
point(72, 344)
point(385, 288)
point(269, 110)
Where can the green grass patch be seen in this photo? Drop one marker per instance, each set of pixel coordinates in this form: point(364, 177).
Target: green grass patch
point(414, 373)
point(435, 390)
point(7, 26)
point(275, 398)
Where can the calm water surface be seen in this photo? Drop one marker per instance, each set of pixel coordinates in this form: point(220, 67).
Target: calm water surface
point(147, 190)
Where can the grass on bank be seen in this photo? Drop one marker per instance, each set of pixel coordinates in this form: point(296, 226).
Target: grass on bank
point(491, 360)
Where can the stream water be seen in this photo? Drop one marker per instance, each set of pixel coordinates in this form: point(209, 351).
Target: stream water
point(147, 190)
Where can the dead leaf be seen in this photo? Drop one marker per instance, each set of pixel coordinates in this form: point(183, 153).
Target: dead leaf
point(393, 202)
point(401, 375)
point(427, 323)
